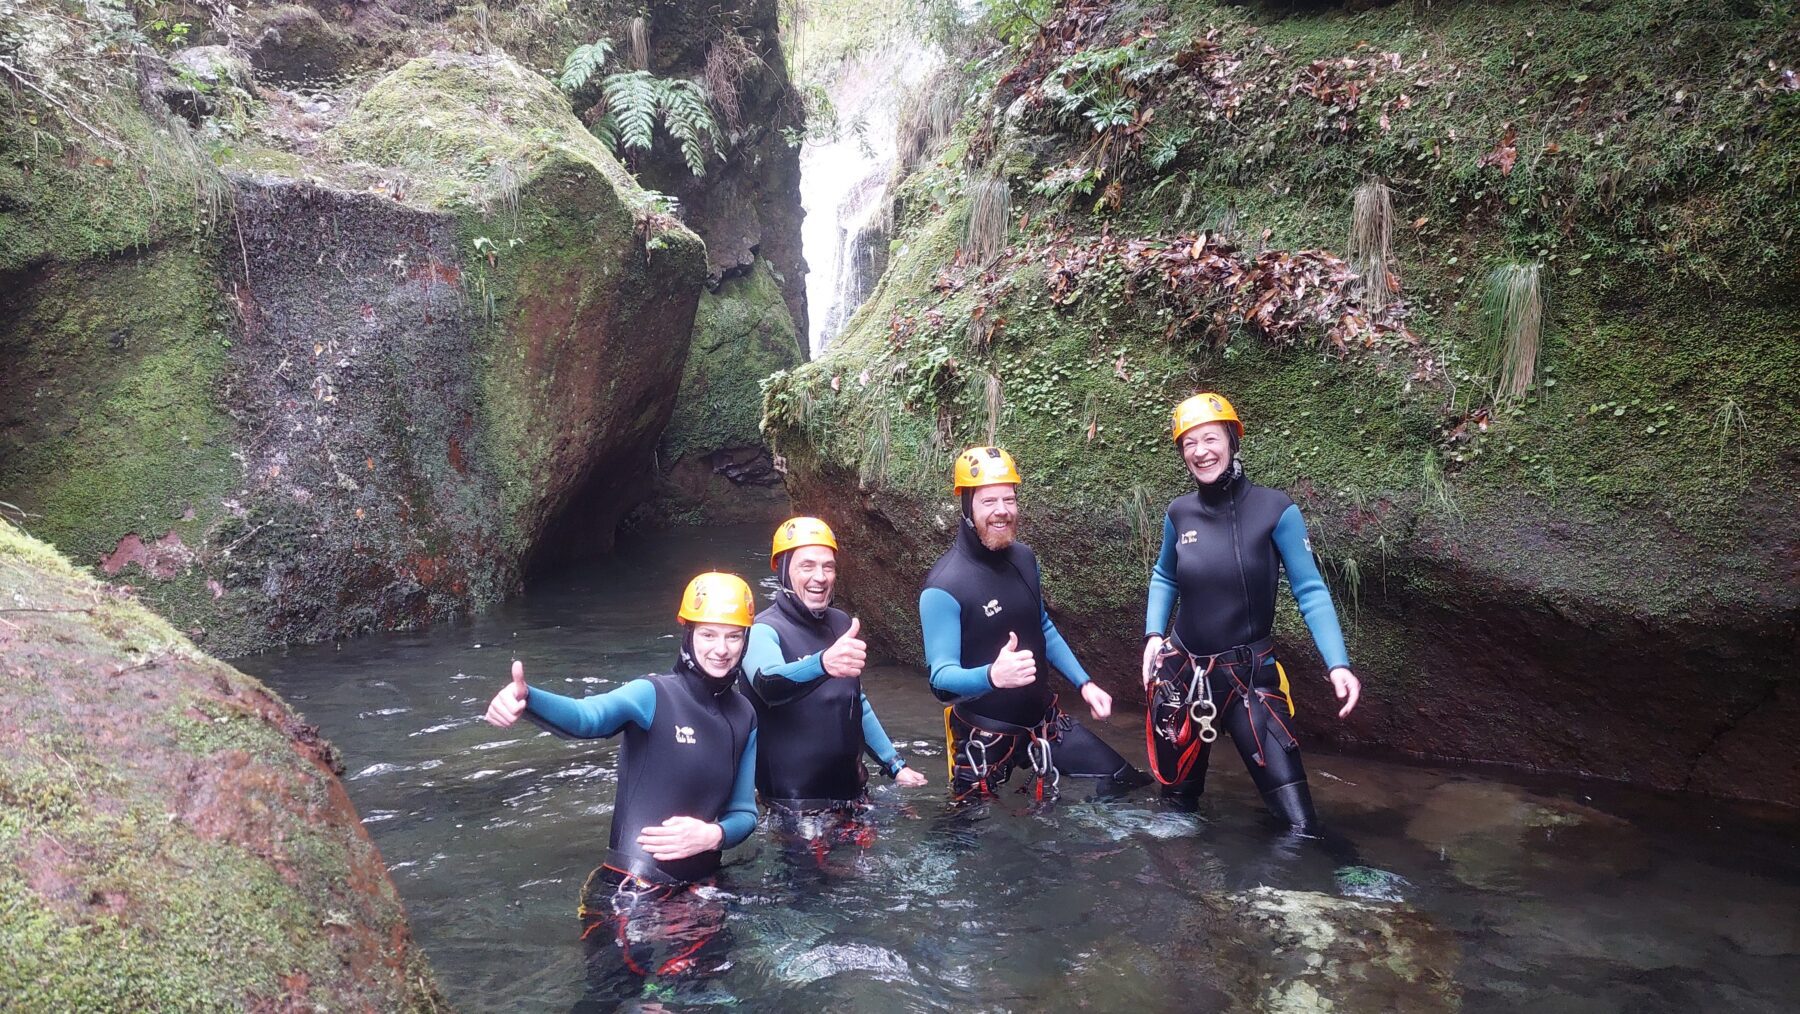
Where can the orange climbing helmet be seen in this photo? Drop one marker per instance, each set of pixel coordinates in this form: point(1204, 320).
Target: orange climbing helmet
point(1201, 409)
point(713, 597)
point(984, 466)
point(797, 532)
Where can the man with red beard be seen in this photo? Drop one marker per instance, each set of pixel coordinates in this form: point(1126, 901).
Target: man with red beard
point(987, 633)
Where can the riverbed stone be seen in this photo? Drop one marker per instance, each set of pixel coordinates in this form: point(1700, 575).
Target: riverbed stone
point(172, 835)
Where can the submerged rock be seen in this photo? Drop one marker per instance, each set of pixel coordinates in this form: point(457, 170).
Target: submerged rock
point(172, 835)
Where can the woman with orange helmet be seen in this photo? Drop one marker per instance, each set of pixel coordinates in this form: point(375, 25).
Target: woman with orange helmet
point(1224, 546)
point(687, 785)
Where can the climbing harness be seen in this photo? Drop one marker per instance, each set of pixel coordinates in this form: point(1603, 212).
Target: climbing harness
point(990, 749)
point(641, 913)
point(1183, 713)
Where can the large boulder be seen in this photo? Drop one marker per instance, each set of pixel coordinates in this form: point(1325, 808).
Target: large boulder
point(394, 372)
point(172, 835)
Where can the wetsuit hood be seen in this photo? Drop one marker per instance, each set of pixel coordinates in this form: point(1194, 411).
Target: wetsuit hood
point(688, 665)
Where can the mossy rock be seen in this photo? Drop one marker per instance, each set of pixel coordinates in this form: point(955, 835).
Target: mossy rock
point(173, 836)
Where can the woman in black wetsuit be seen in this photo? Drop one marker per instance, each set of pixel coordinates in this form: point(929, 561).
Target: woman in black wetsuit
point(1224, 546)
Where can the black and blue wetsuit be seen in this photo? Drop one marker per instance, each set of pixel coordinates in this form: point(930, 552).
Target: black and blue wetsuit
point(974, 598)
point(813, 727)
point(1223, 550)
point(689, 750)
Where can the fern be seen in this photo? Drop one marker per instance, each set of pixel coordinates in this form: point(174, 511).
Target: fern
point(687, 115)
point(632, 99)
point(584, 63)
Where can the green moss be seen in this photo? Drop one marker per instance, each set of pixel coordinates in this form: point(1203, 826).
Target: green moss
point(742, 333)
point(114, 429)
point(163, 883)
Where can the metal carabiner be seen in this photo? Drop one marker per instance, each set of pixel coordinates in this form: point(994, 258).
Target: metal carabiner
point(630, 891)
point(1042, 763)
point(1203, 712)
point(980, 767)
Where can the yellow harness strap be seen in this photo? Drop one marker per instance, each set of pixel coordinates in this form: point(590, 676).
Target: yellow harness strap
point(1279, 671)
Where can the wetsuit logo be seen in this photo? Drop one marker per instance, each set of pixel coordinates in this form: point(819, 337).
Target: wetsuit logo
point(684, 734)
point(1189, 537)
point(992, 608)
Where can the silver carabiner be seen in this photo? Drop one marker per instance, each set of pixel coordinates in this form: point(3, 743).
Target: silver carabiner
point(980, 767)
point(1204, 712)
point(1042, 762)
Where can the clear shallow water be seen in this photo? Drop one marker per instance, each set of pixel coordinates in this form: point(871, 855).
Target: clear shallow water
point(1538, 894)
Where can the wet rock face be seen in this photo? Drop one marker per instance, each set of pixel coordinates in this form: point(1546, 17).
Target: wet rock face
point(172, 835)
point(362, 410)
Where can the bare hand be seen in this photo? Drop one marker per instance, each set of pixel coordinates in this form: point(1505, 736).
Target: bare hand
point(1012, 667)
point(1152, 648)
point(909, 778)
point(680, 837)
point(1099, 702)
point(1348, 687)
point(847, 654)
point(509, 703)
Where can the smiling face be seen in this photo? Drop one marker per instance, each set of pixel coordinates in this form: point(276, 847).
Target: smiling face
point(717, 647)
point(995, 512)
point(1207, 450)
point(812, 573)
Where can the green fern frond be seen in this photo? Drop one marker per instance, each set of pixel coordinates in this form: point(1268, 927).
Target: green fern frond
point(584, 63)
point(632, 99)
point(687, 115)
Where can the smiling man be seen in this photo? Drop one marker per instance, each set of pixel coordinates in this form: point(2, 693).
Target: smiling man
point(987, 635)
point(803, 672)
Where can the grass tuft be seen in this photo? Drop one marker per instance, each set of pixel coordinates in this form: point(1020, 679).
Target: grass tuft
point(1512, 324)
point(990, 213)
point(1372, 241)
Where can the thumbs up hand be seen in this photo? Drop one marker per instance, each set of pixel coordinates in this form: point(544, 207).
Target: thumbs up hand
point(1012, 667)
point(509, 703)
point(847, 654)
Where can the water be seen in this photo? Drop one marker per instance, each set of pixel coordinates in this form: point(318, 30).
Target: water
point(1525, 893)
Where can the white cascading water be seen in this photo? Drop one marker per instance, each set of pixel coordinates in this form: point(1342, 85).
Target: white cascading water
point(843, 182)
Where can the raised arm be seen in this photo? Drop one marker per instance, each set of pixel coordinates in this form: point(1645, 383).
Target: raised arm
point(596, 715)
point(1309, 589)
point(776, 680)
point(941, 619)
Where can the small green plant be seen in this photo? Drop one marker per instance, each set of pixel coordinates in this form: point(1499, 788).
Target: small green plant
point(1730, 426)
point(633, 102)
point(1512, 315)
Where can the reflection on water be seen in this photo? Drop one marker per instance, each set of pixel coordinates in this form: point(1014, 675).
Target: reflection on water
point(1530, 894)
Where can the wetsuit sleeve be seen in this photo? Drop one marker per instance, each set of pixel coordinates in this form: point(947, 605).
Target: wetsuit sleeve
point(596, 715)
point(941, 619)
point(1058, 653)
point(739, 818)
point(876, 742)
point(1162, 583)
point(776, 680)
point(1309, 588)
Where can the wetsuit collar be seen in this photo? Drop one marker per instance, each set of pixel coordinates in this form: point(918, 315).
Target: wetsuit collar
point(1223, 489)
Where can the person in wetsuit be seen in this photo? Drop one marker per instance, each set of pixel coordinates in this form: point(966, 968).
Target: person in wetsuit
point(1223, 548)
point(686, 781)
point(986, 634)
point(803, 672)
